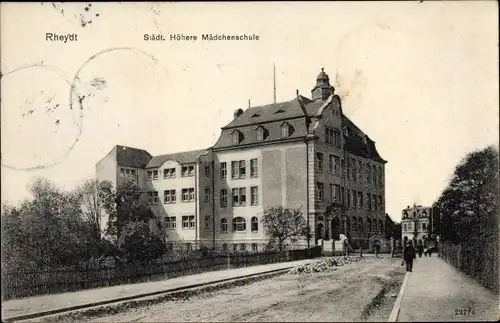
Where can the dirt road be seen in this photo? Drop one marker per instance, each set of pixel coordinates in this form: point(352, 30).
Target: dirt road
point(350, 293)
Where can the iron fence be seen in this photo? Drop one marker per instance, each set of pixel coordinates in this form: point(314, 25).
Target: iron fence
point(32, 283)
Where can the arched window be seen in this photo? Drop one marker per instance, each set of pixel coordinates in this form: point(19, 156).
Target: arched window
point(239, 224)
point(369, 225)
point(255, 224)
point(223, 225)
point(354, 224)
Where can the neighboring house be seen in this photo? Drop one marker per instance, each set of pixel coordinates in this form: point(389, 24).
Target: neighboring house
point(302, 153)
point(415, 223)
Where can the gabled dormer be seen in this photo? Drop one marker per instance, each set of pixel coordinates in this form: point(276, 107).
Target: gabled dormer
point(262, 133)
point(236, 137)
point(286, 130)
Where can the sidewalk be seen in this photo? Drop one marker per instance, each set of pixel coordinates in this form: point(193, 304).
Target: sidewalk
point(28, 305)
point(435, 290)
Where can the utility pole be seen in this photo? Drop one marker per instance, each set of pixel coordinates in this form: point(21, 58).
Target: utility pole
point(274, 82)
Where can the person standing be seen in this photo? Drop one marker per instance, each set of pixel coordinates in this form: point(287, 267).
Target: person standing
point(408, 256)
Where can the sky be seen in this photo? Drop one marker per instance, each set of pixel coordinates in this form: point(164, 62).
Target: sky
point(421, 79)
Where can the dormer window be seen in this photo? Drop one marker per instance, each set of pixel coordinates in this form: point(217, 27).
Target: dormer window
point(237, 137)
point(279, 111)
point(286, 130)
point(262, 133)
point(255, 115)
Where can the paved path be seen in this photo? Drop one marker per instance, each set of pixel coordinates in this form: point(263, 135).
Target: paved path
point(28, 305)
point(435, 290)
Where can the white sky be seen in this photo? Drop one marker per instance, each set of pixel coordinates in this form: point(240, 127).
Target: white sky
point(421, 79)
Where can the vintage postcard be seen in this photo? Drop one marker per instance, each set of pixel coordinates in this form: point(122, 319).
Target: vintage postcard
point(250, 161)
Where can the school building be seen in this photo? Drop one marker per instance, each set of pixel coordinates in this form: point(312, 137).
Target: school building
point(303, 153)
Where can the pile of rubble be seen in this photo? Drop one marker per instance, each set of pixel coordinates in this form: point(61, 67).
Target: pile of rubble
point(322, 265)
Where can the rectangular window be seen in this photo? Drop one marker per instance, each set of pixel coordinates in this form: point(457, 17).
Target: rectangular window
point(354, 199)
point(239, 196)
point(153, 197)
point(243, 247)
point(360, 200)
point(207, 171)
point(224, 247)
point(242, 168)
point(348, 165)
point(319, 162)
point(410, 226)
point(155, 174)
point(348, 198)
point(254, 168)
point(169, 173)
point(380, 202)
point(207, 195)
point(374, 175)
point(207, 222)
point(127, 172)
point(170, 222)
point(260, 134)
point(169, 196)
point(369, 203)
point(223, 198)
point(188, 222)
point(122, 171)
point(330, 163)
point(360, 171)
point(284, 131)
point(329, 136)
point(374, 202)
point(187, 194)
point(368, 173)
point(342, 196)
point(342, 165)
point(150, 175)
point(223, 170)
point(132, 172)
point(187, 171)
point(319, 192)
point(354, 173)
point(254, 247)
point(235, 166)
point(336, 165)
point(405, 227)
point(254, 191)
point(424, 226)
point(235, 247)
point(337, 138)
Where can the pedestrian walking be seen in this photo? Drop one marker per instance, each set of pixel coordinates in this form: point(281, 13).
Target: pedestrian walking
point(420, 250)
point(429, 251)
point(426, 250)
point(408, 256)
point(377, 250)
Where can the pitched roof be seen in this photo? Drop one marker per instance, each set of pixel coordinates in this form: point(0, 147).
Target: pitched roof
point(180, 157)
point(132, 157)
point(271, 117)
point(274, 111)
point(358, 143)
